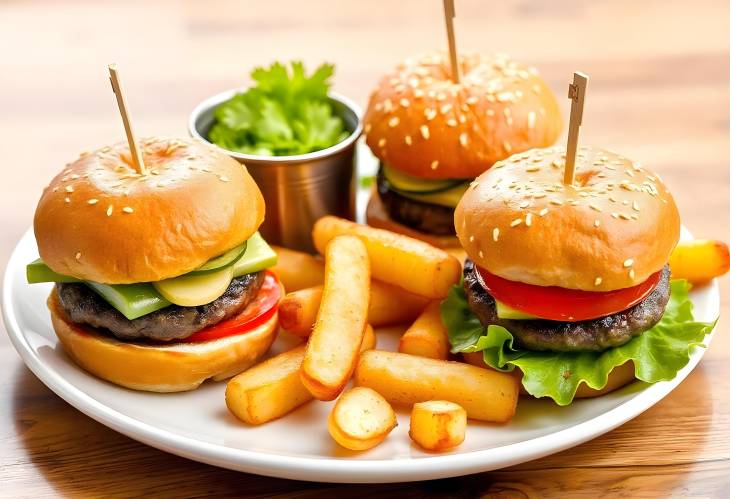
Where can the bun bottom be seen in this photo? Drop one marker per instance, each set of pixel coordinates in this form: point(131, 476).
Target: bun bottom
point(377, 216)
point(160, 368)
point(620, 376)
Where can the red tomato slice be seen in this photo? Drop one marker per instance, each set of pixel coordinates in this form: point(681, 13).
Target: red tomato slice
point(256, 313)
point(561, 304)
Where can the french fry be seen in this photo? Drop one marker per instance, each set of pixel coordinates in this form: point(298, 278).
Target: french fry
point(427, 336)
point(699, 260)
point(273, 388)
point(298, 270)
point(402, 261)
point(437, 425)
point(389, 305)
point(485, 394)
point(333, 346)
point(361, 419)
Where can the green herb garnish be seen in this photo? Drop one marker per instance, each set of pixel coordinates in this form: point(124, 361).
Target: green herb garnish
point(285, 113)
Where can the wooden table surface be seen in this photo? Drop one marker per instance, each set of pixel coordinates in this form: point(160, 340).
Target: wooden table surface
point(659, 93)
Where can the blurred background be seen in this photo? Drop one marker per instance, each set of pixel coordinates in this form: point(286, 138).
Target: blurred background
point(659, 93)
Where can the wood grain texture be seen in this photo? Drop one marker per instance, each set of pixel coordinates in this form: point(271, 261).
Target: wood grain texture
point(660, 93)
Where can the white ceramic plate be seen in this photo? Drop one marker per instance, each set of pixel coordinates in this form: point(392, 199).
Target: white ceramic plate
point(198, 426)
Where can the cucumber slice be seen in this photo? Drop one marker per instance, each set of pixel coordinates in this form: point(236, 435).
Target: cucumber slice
point(191, 290)
point(504, 311)
point(228, 258)
point(37, 271)
point(449, 198)
point(402, 182)
point(258, 256)
point(132, 300)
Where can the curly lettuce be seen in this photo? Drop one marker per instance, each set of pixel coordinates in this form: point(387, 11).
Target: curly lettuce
point(658, 354)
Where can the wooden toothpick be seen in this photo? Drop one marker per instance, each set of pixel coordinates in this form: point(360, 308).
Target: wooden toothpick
point(449, 14)
point(577, 94)
point(133, 148)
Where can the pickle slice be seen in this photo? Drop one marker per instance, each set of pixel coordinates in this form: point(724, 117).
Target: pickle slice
point(228, 258)
point(191, 290)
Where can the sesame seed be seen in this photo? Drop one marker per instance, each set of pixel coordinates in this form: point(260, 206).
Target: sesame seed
point(531, 119)
point(632, 274)
point(429, 114)
point(405, 102)
point(624, 216)
point(451, 122)
point(127, 209)
point(495, 234)
point(524, 204)
point(594, 206)
point(418, 93)
point(614, 214)
point(67, 199)
point(368, 127)
point(532, 169)
point(556, 202)
point(109, 210)
point(628, 262)
point(408, 140)
point(387, 105)
point(69, 188)
point(543, 212)
point(93, 201)
point(463, 140)
point(635, 206)
point(528, 219)
point(481, 254)
point(440, 96)
point(425, 132)
point(490, 112)
point(597, 223)
point(472, 100)
point(515, 222)
point(393, 122)
point(471, 239)
point(507, 146)
point(597, 281)
point(446, 108)
point(223, 178)
point(78, 256)
point(381, 143)
point(434, 164)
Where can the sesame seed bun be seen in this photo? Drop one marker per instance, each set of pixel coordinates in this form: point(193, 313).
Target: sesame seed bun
point(615, 227)
point(420, 122)
point(377, 216)
point(160, 368)
point(99, 220)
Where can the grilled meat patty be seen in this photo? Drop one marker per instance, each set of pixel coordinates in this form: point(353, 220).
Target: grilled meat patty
point(174, 322)
point(592, 335)
point(425, 217)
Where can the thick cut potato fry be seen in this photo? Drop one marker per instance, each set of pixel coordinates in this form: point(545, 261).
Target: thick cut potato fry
point(298, 270)
point(389, 305)
point(361, 419)
point(437, 424)
point(338, 331)
point(402, 261)
point(699, 260)
point(486, 394)
point(427, 337)
point(273, 388)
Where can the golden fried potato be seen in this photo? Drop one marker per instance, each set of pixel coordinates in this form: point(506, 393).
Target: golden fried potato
point(437, 425)
point(396, 259)
point(333, 346)
point(699, 260)
point(298, 270)
point(427, 336)
point(486, 394)
point(361, 419)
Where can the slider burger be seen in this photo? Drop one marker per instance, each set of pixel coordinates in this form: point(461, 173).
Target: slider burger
point(570, 283)
point(433, 136)
point(160, 278)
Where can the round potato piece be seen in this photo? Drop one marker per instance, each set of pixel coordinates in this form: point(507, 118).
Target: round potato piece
point(437, 425)
point(361, 419)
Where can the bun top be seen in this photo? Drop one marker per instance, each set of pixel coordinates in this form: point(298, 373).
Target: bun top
point(615, 227)
point(99, 220)
point(422, 123)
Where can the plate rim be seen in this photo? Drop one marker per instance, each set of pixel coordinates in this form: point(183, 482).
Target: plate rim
point(330, 469)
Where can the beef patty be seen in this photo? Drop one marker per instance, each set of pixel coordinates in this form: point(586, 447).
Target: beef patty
point(592, 335)
point(425, 217)
point(174, 322)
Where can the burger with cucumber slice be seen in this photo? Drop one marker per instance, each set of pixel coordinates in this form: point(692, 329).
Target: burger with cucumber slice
point(568, 285)
point(161, 278)
point(433, 136)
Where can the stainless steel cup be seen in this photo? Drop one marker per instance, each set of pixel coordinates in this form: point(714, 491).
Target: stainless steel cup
point(300, 189)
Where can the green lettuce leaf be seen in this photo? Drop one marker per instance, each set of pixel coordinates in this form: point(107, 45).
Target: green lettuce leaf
point(658, 354)
point(286, 112)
